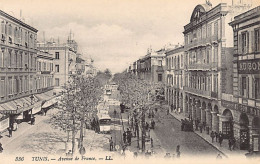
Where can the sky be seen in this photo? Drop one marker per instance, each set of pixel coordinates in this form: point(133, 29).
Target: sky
point(115, 33)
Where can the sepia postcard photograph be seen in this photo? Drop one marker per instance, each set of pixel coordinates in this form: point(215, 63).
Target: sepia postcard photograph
point(129, 81)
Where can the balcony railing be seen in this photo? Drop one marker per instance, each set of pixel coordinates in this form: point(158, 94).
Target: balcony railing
point(197, 91)
point(198, 66)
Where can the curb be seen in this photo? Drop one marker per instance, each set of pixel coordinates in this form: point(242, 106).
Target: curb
point(204, 139)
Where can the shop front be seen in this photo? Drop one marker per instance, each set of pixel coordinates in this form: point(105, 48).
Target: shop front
point(4, 122)
point(19, 110)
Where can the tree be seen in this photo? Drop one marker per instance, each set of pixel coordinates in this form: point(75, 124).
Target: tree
point(77, 106)
point(139, 95)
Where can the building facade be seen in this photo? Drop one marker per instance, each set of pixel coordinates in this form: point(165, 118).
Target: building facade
point(18, 57)
point(64, 62)
point(175, 78)
point(245, 104)
point(152, 66)
point(208, 72)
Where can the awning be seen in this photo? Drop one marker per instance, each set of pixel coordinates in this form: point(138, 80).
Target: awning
point(45, 95)
point(37, 107)
point(18, 105)
point(49, 103)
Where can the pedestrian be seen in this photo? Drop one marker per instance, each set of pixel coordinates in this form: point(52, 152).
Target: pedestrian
point(10, 130)
point(124, 137)
point(233, 143)
point(219, 156)
point(151, 142)
point(171, 107)
point(129, 137)
point(111, 144)
point(1, 148)
point(196, 123)
point(146, 125)
point(212, 135)
point(216, 135)
point(152, 124)
point(220, 138)
point(204, 125)
point(200, 126)
point(167, 111)
point(230, 144)
point(178, 151)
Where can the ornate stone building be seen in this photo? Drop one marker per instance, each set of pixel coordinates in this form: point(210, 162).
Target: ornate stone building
point(245, 104)
point(17, 69)
point(208, 72)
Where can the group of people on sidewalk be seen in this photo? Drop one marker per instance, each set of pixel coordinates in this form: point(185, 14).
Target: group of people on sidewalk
point(127, 137)
point(219, 138)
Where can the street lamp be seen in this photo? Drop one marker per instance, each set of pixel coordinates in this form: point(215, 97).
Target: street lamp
point(31, 97)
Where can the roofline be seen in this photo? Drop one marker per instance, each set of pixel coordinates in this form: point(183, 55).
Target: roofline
point(18, 21)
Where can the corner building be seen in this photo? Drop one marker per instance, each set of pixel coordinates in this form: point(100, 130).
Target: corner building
point(246, 79)
point(17, 69)
point(208, 52)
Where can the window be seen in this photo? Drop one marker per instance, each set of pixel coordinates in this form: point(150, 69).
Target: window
point(244, 42)
point(244, 88)
point(257, 88)
point(57, 82)
point(57, 55)
point(21, 61)
point(226, 127)
point(57, 68)
point(10, 86)
point(2, 87)
point(257, 40)
point(159, 77)
point(31, 60)
point(215, 89)
point(40, 66)
point(16, 59)
point(44, 66)
point(216, 29)
point(21, 84)
point(215, 56)
point(208, 55)
point(160, 63)
point(209, 31)
point(1, 58)
point(10, 59)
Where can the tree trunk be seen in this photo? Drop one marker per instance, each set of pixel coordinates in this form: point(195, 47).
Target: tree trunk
point(73, 140)
point(81, 133)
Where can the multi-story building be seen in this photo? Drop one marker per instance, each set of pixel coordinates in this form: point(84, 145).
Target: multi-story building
point(175, 78)
point(80, 65)
point(64, 62)
point(44, 75)
point(152, 66)
point(18, 57)
point(207, 57)
point(245, 103)
point(90, 69)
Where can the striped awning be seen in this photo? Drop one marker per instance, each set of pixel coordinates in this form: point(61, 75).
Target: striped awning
point(18, 105)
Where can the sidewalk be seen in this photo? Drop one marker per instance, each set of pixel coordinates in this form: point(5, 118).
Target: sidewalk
point(22, 128)
point(223, 149)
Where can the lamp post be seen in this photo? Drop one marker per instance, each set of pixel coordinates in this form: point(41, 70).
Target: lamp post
point(31, 97)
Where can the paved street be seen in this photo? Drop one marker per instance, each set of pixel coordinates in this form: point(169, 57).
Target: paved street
point(168, 130)
point(42, 139)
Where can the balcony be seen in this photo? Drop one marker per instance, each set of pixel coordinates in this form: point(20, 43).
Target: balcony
point(197, 66)
point(197, 91)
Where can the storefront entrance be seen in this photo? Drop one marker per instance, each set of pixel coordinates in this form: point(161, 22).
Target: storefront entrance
point(244, 132)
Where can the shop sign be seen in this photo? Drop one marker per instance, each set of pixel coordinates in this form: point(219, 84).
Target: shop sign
point(242, 108)
point(228, 104)
point(249, 66)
